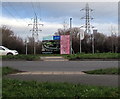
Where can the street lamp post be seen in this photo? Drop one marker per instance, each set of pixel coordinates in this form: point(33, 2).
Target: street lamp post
point(26, 47)
point(81, 37)
point(92, 40)
point(70, 36)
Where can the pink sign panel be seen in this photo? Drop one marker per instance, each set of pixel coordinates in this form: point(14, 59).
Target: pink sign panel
point(65, 44)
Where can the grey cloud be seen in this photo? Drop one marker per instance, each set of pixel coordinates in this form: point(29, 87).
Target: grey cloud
point(103, 11)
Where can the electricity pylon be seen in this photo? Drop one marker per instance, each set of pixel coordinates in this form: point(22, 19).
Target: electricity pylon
point(35, 31)
point(87, 18)
point(113, 40)
point(65, 26)
point(88, 26)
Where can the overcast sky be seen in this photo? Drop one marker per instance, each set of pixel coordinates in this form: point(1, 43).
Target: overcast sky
point(17, 15)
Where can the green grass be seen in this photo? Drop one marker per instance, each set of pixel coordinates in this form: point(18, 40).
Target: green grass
point(70, 57)
point(27, 57)
point(21, 57)
point(104, 71)
point(94, 56)
point(33, 89)
point(0, 82)
point(8, 70)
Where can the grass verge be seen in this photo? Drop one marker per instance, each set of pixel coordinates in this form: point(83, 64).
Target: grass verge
point(0, 82)
point(94, 56)
point(34, 90)
point(70, 57)
point(8, 70)
point(105, 71)
point(21, 57)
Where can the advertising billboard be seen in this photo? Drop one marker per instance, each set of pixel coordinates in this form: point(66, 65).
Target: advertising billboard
point(48, 38)
point(56, 37)
point(51, 38)
point(65, 44)
point(51, 46)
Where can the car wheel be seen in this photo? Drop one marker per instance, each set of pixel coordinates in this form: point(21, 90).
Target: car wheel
point(9, 54)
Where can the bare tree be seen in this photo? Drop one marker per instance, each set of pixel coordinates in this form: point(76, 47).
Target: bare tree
point(11, 41)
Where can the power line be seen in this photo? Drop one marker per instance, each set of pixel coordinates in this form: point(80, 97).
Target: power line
point(40, 15)
point(14, 18)
point(16, 12)
point(24, 7)
point(33, 8)
point(11, 14)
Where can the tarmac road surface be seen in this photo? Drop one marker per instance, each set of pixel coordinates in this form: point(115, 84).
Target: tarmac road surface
point(59, 65)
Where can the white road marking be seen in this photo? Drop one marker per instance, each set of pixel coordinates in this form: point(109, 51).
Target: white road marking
point(53, 57)
point(55, 60)
point(50, 73)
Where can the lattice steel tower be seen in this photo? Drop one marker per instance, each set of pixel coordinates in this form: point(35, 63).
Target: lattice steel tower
point(87, 18)
point(88, 27)
point(35, 31)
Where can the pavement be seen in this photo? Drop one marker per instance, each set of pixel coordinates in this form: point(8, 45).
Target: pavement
point(53, 58)
point(64, 71)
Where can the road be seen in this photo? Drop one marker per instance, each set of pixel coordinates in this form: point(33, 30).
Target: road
point(65, 66)
point(59, 66)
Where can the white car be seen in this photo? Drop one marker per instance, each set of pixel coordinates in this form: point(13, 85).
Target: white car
point(6, 51)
